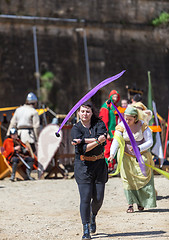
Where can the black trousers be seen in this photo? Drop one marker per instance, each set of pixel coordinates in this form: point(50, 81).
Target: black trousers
point(27, 160)
point(91, 199)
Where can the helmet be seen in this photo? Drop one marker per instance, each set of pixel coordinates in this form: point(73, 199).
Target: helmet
point(31, 98)
point(13, 131)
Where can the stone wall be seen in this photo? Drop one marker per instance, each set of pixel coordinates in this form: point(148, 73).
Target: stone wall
point(119, 36)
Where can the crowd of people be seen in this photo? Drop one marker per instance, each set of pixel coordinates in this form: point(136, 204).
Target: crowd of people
point(102, 147)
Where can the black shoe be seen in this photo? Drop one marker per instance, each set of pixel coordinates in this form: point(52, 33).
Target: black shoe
point(30, 178)
point(86, 232)
point(12, 179)
point(93, 224)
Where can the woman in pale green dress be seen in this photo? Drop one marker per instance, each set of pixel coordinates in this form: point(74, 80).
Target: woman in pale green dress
point(138, 188)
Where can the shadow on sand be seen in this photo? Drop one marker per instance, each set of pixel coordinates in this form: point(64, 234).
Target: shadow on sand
point(157, 210)
point(162, 197)
point(129, 234)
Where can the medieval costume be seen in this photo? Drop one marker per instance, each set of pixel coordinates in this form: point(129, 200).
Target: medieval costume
point(26, 121)
point(138, 188)
point(14, 150)
point(90, 168)
point(110, 117)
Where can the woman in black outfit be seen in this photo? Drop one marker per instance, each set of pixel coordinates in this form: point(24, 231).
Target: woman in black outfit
point(90, 167)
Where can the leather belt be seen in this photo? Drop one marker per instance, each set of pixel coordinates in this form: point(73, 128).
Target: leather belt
point(25, 128)
point(92, 158)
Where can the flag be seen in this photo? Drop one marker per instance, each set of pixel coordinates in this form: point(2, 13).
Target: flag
point(166, 138)
point(157, 148)
point(154, 125)
point(150, 98)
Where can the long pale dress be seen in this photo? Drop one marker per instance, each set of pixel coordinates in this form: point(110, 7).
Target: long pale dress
point(138, 188)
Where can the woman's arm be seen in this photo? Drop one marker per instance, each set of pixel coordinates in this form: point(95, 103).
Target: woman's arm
point(85, 140)
point(100, 136)
point(95, 143)
point(114, 147)
point(148, 140)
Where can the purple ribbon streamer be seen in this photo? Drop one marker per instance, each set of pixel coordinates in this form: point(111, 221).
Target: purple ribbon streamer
point(87, 96)
point(133, 142)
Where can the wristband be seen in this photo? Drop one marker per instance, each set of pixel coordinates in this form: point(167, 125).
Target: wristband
point(97, 140)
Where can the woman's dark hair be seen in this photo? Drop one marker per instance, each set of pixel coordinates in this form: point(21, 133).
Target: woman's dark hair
point(137, 97)
point(95, 117)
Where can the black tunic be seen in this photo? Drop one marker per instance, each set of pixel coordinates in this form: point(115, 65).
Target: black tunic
point(88, 171)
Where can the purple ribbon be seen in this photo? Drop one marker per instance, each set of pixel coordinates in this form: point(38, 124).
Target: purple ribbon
point(87, 96)
point(133, 142)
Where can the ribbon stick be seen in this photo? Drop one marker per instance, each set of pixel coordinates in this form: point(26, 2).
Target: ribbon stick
point(87, 96)
point(133, 142)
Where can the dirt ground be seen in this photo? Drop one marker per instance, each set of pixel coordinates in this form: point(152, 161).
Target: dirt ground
point(49, 210)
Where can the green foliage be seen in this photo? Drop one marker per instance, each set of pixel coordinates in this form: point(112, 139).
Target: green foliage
point(162, 19)
point(47, 76)
point(47, 81)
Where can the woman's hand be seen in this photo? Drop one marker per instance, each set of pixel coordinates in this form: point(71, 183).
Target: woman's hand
point(131, 150)
point(76, 141)
point(110, 158)
point(102, 138)
point(108, 137)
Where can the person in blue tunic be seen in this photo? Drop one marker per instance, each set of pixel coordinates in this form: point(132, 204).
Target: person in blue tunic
point(90, 167)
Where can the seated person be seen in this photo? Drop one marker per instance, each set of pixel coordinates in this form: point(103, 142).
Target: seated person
point(15, 150)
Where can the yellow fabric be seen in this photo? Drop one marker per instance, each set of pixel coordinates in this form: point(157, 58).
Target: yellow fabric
point(139, 105)
point(160, 118)
point(166, 174)
point(8, 109)
point(119, 128)
point(144, 127)
point(131, 174)
point(41, 111)
point(120, 153)
point(129, 168)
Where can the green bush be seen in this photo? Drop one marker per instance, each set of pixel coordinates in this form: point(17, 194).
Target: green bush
point(162, 19)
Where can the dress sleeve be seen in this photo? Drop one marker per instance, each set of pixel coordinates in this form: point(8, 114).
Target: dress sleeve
point(115, 145)
point(75, 134)
point(101, 129)
point(148, 140)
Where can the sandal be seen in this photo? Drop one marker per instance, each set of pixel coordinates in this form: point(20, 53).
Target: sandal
point(130, 209)
point(140, 208)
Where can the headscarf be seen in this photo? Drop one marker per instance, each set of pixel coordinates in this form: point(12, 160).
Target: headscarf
point(132, 111)
point(144, 113)
point(112, 93)
point(139, 105)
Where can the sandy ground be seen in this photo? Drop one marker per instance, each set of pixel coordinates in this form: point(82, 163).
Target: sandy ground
point(49, 209)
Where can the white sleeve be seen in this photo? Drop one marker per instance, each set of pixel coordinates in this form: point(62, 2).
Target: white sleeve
point(115, 145)
point(148, 140)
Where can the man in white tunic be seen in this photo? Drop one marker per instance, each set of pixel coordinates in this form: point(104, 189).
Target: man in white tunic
point(26, 121)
